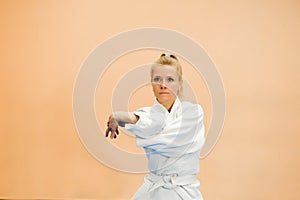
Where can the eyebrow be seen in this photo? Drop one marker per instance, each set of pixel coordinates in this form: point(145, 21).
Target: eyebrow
point(173, 77)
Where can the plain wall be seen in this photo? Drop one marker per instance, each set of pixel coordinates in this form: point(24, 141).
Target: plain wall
point(254, 44)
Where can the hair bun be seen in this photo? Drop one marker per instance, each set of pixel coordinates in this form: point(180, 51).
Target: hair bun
point(168, 54)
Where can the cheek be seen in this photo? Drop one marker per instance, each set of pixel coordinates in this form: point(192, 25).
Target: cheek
point(174, 86)
point(155, 87)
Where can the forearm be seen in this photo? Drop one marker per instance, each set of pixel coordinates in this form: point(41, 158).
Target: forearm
point(126, 117)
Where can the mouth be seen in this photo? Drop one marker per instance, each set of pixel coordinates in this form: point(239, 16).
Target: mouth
point(164, 93)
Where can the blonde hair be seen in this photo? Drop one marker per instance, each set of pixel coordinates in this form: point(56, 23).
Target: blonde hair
point(172, 60)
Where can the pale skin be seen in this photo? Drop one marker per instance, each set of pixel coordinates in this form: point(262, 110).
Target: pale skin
point(165, 83)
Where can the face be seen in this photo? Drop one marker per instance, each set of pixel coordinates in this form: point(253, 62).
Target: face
point(165, 83)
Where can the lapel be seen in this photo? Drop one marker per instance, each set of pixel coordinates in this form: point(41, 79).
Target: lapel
point(175, 110)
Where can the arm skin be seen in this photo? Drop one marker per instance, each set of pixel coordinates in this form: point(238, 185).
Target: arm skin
point(119, 119)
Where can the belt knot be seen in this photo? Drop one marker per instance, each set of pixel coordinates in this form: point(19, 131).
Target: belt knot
point(169, 181)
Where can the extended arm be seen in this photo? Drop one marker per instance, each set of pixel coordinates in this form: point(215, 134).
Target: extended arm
point(125, 117)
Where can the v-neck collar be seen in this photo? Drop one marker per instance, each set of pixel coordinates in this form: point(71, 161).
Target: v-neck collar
point(175, 106)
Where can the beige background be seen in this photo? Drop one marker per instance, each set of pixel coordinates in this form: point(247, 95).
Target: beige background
point(255, 45)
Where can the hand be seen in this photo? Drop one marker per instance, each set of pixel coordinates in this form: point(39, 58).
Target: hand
point(112, 126)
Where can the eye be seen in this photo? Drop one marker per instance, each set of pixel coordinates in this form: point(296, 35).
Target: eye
point(156, 79)
point(170, 79)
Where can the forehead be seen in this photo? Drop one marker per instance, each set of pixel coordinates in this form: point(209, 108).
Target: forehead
point(164, 70)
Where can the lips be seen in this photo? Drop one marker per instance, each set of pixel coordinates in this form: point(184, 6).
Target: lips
point(164, 93)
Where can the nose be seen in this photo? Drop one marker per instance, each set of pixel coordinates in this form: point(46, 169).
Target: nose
point(163, 84)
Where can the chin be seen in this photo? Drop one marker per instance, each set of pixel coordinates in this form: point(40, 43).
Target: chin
point(164, 98)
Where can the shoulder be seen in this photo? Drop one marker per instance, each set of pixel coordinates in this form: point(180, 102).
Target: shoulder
point(144, 109)
point(191, 107)
point(152, 111)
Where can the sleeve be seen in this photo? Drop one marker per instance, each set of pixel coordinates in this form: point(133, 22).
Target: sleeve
point(151, 121)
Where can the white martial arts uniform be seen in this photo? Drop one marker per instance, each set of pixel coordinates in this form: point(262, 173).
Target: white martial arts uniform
point(172, 142)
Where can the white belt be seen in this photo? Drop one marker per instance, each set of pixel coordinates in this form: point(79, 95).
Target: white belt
point(172, 182)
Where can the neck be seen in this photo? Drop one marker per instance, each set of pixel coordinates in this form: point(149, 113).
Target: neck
point(168, 105)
